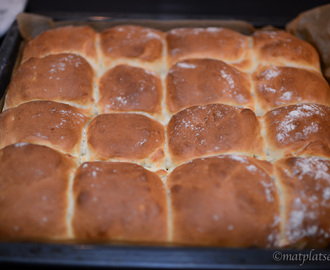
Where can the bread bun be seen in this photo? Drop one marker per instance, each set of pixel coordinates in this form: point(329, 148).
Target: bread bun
point(279, 48)
point(211, 130)
point(126, 137)
point(305, 189)
point(64, 78)
point(49, 123)
point(34, 201)
point(79, 40)
point(132, 44)
point(204, 81)
point(212, 42)
point(226, 201)
point(297, 130)
point(281, 86)
point(118, 202)
point(127, 88)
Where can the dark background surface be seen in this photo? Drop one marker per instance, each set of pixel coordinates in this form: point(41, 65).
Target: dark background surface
point(235, 8)
point(257, 12)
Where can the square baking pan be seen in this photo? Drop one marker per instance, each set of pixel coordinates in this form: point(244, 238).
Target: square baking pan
point(120, 255)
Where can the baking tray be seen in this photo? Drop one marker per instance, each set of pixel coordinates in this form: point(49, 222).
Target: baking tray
point(69, 256)
point(8, 53)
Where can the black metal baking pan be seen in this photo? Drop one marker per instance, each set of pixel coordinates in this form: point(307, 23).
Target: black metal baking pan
point(8, 53)
point(114, 256)
point(142, 257)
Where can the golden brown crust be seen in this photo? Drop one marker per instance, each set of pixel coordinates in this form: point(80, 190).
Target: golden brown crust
point(280, 86)
point(34, 182)
point(61, 77)
point(224, 201)
point(305, 188)
point(279, 48)
point(119, 201)
point(128, 88)
point(212, 42)
point(203, 81)
point(302, 129)
point(43, 122)
point(124, 136)
point(213, 129)
point(69, 39)
point(227, 200)
point(132, 42)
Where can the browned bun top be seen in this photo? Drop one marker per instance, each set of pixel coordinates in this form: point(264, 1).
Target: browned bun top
point(119, 201)
point(306, 191)
point(70, 39)
point(280, 86)
point(128, 88)
point(278, 48)
point(129, 41)
point(211, 42)
point(302, 129)
point(34, 181)
point(213, 129)
point(217, 81)
point(59, 77)
point(203, 81)
point(43, 122)
point(124, 136)
point(227, 201)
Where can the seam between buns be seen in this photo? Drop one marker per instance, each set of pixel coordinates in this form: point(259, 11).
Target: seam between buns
point(282, 207)
point(84, 153)
point(71, 203)
point(169, 213)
